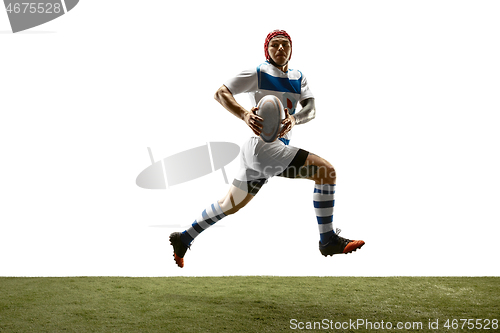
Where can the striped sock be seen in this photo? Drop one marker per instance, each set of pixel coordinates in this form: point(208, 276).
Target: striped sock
point(323, 207)
point(209, 216)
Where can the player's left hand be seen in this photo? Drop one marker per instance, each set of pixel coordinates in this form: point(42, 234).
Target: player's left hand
point(288, 123)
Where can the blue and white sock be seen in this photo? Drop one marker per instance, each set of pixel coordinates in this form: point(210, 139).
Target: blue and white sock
point(208, 218)
point(323, 207)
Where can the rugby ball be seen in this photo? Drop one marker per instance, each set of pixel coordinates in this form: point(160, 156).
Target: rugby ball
point(271, 110)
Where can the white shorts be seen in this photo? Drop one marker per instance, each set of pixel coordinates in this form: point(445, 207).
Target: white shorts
point(261, 160)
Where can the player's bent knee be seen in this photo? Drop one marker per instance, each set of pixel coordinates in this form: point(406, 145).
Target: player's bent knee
point(331, 175)
point(327, 175)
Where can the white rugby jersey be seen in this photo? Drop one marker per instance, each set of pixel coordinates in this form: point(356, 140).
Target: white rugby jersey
point(290, 87)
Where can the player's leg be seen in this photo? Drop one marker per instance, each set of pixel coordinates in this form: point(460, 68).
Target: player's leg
point(323, 174)
point(317, 169)
point(234, 200)
point(181, 241)
point(239, 195)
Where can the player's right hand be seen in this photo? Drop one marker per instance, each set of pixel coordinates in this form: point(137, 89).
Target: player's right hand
point(253, 121)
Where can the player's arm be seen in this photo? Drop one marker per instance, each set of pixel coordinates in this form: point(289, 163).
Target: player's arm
point(226, 99)
point(306, 114)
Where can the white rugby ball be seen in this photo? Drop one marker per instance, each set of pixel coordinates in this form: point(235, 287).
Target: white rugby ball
point(272, 111)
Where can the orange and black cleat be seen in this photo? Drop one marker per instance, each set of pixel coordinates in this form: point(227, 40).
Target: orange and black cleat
point(179, 248)
point(338, 244)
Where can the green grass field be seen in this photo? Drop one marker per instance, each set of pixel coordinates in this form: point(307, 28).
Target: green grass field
point(249, 304)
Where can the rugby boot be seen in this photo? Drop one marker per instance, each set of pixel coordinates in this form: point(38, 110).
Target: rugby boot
point(179, 248)
point(337, 244)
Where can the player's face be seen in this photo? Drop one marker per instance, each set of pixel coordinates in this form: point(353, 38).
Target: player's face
point(279, 49)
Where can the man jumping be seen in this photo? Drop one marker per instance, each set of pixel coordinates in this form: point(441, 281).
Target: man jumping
point(261, 161)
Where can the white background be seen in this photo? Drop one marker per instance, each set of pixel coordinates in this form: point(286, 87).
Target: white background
point(407, 96)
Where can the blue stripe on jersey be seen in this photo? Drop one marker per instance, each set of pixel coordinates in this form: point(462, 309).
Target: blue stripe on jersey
point(269, 82)
point(285, 141)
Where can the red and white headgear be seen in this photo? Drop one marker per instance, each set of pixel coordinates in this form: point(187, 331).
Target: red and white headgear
point(273, 34)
